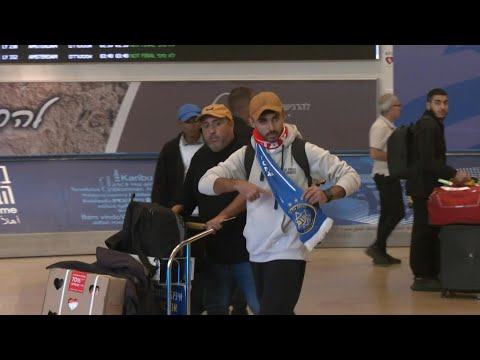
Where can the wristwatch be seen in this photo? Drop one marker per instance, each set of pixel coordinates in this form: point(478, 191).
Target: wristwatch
point(329, 194)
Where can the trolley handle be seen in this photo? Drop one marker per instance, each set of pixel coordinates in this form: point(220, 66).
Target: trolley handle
point(177, 248)
point(203, 226)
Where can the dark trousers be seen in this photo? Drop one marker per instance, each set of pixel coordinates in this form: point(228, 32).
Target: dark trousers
point(391, 207)
point(425, 244)
point(278, 284)
point(239, 304)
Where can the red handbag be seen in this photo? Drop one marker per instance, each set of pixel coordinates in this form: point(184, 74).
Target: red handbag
point(454, 205)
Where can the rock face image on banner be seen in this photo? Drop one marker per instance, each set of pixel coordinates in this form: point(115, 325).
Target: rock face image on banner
point(58, 118)
point(140, 117)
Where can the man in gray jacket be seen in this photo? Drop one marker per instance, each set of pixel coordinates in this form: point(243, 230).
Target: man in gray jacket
point(277, 255)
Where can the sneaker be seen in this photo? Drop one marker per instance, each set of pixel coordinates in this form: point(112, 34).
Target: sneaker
point(426, 284)
point(392, 259)
point(379, 256)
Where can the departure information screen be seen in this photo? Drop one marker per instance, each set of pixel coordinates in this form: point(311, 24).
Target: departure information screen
point(48, 54)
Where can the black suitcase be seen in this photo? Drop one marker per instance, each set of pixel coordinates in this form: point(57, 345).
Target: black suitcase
point(460, 259)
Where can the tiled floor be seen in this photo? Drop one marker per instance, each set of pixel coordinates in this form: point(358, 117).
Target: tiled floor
point(338, 281)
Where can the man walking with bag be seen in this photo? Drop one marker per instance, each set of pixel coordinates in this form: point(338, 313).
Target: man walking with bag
point(430, 164)
point(389, 187)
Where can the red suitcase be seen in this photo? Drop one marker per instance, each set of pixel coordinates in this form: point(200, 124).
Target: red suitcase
point(454, 205)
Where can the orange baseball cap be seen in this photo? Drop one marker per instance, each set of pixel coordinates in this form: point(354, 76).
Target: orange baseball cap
point(264, 101)
point(216, 110)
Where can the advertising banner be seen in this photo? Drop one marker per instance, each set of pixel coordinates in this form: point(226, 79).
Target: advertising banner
point(91, 195)
point(138, 117)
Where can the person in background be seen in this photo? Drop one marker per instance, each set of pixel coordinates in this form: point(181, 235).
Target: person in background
point(175, 156)
point(429, 165)
point(277, 255)
point(389, 187)
point(238, 103)
point(226, 253)
point(172, 166)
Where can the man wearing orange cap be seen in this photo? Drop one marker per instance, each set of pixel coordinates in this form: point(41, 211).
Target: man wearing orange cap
point(226, 253)
point(277, 251)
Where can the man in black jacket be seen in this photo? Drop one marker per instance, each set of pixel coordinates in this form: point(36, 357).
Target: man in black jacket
point(172, 166)
point(227, 257)
point(429, 165)
point(175, 157)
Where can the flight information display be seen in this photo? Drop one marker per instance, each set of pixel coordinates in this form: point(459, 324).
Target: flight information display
point(48, 54)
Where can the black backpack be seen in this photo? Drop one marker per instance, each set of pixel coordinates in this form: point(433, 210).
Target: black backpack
point(298, 153)
point(149, 229)
point(400, 151)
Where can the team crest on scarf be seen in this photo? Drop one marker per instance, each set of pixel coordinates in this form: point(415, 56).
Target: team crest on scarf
point(304, 216)
point(311, 224)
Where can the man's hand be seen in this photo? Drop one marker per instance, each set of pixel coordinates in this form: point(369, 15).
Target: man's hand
point(215, 223)
point(461, 178)
point(251, 191)
point(177, 209)
point(314, 194)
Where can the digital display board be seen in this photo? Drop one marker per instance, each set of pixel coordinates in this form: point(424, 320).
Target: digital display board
point(48, 54)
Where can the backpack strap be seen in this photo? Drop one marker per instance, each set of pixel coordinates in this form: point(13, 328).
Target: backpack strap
point(300, 156)
point(298, 152)
point(249, 159)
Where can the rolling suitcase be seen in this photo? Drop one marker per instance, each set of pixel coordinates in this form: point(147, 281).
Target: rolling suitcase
point(459, 259)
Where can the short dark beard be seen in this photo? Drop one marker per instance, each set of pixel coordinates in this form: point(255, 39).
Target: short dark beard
point(436, 117)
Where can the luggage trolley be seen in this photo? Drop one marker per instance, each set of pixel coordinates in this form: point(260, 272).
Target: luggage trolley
point(171, 260)
point(180, 290)
point(177, 294)
point(161, 284)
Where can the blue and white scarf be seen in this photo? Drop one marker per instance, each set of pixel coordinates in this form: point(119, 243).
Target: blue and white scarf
point(311, 223)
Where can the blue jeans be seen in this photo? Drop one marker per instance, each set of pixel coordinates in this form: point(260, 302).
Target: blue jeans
point(221, 284)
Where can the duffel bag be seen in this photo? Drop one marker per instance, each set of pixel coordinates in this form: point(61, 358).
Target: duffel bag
point(454, 205)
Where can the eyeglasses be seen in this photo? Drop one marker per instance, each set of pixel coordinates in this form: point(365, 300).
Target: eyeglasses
point(215, 123)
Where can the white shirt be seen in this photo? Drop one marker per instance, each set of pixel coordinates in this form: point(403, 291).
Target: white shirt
point(380, 131)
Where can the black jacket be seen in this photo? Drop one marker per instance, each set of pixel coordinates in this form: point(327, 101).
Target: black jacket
point(243, 132)
point(429, 156)
point(227, 246)
point(168, 178)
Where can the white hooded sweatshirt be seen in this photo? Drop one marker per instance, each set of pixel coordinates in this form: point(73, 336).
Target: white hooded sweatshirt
point(270, 233)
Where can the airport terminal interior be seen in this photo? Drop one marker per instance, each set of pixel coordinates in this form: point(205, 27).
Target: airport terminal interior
point(338, 281)
point(81, 128)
